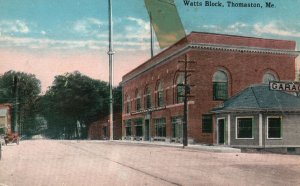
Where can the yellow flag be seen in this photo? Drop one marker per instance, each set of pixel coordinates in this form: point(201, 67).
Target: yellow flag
point(165, 21)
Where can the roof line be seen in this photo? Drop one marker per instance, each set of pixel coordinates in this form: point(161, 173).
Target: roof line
point(255, 97)
point(205, 46)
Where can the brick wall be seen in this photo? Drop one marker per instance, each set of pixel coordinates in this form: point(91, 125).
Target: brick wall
point(100, 130)
point(242, 68)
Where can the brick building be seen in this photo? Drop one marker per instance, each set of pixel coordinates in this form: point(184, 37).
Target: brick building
point(224, 65)
point(100, 130)
point(6, 118)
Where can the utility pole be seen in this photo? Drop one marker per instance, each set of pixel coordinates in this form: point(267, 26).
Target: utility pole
point(16, 109)
point(187, 91)
point(110, 54)
point(151, 37)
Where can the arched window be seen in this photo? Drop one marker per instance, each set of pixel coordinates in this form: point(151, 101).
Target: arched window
point(148, 97)
point(128, 105)
point(269, 76)
point(180, 88)
point(220, 85)
point(138, 100)
point(160, 94)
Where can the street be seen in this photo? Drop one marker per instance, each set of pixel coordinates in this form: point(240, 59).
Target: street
point(57, 162)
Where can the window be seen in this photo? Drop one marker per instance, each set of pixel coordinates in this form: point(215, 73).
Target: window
point(207, 126)
point(128, 127)
point(244, 127)
point(274, 127)
point(177, 126)
point(148, 98)
point(160, 95)
point(2, 121)
point(180, 88)
point(128, 105)
point(268, 77)
point(138, 101)
point(160, 127)
point(220, 86)
point(138, 127)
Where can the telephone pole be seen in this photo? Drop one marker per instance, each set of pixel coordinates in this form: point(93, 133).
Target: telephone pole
point(187, 91)
point(110, 54)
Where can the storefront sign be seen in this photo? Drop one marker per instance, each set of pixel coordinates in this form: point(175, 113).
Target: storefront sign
point(285, 86)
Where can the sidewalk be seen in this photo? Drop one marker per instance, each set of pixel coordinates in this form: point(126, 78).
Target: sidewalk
point(200, 147)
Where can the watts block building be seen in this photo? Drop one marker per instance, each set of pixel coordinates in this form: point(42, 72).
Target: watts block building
point(223, 66)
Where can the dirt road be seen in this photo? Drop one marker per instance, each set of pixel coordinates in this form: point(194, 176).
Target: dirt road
point(50, 162)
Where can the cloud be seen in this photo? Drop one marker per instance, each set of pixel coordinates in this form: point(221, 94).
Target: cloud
point(271, 29)
point(236, 28)
point(274, 28)
point(130, 34)
point(88, 27)
point(43, 43)
point(13, 26)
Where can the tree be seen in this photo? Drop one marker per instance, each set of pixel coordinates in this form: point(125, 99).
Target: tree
point(117, 96)
point(72, 102)
point(22, 91)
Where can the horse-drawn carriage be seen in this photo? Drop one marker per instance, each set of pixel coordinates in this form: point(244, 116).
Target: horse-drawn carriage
point(12, 138)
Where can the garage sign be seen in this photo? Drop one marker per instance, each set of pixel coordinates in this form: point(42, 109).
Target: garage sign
point(285, 86)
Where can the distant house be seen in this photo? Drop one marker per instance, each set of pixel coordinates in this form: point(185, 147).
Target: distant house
point(258, 117)
point(5, 118)
point(100, 130)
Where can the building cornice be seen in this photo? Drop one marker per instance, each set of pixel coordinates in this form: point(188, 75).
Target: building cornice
point(205, 46)
point(247, 49)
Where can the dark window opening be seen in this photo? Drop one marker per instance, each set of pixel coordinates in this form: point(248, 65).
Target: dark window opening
point(128, 127)
point(207, 124)
point(138, 127)
point(220, 91)
point(274, 127)
point(244, 128)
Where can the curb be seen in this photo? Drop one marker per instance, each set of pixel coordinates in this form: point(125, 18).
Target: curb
point(220, 149)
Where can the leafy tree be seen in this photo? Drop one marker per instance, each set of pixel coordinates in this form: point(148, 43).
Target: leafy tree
point(22, 91)
point(74, 100)
point(117, 96)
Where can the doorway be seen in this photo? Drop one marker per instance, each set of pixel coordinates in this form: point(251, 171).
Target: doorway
point(147, 129)
point(221, 131)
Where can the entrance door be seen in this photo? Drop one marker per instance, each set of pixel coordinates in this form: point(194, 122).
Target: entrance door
point(146, 130)
point(221, 126)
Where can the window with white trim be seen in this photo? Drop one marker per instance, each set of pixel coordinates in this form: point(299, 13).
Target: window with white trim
point(274, 127)
point(244, 128)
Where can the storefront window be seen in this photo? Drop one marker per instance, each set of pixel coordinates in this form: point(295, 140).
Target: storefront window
point(177, 126)
point(244, 127)
point(274, 127)
point(160, 127)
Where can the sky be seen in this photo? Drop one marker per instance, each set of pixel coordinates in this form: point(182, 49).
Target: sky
point(53, 37)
